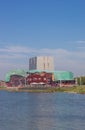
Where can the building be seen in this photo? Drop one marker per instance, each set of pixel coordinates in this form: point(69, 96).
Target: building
point(15, 78)
point(64, 78)
point(41, 63)
point(54, 78)
point(39, 78)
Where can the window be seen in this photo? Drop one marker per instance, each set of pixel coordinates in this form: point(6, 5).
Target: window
point(44, 78)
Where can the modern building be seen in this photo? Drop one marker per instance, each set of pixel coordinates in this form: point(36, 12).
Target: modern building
point(22, 78)
point(41, 63)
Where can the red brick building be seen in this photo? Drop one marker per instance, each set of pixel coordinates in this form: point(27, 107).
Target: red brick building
point(39, 78)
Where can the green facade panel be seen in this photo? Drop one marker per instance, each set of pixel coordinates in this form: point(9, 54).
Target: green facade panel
point(14, 72)
point(63, 75)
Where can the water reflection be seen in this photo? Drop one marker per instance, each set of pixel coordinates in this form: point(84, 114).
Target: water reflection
point(42, 113)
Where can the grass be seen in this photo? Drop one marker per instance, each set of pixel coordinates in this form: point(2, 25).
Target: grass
point(74, 89)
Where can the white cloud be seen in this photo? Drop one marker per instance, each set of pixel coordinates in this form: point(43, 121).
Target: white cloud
point(12, 56)
point(77, 42)
point(80, 42)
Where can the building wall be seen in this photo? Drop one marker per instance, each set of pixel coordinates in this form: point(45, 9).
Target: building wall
point(63, 75)
point(33, 63)
point(41, 63)
point(39, 78)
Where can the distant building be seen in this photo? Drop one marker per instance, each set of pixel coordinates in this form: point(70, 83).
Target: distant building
point(41, 63)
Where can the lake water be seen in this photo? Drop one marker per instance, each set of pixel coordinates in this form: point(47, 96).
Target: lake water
point(41, 111)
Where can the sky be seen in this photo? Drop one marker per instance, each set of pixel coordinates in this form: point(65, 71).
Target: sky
point(42, 27)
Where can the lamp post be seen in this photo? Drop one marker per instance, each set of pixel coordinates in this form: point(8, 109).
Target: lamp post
point(76, 81)
point(60, 82)
point(80, 80)
point(25, 78)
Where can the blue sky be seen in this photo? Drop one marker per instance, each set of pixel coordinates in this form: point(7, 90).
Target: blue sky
point(42, 27)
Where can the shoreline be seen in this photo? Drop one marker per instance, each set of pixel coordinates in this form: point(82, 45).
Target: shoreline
point(74, 89)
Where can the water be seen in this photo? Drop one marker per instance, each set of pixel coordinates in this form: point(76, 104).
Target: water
point(41, 111)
